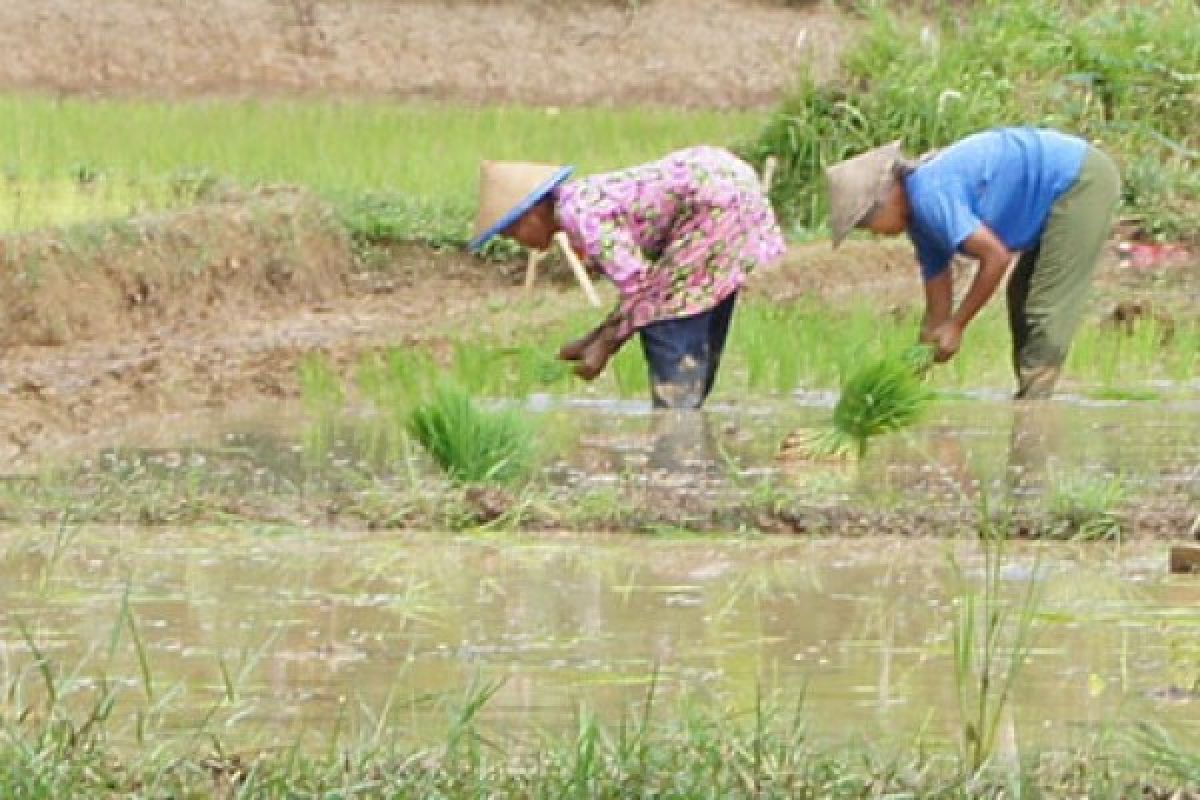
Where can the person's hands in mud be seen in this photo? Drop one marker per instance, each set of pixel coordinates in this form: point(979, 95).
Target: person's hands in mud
point(593, 351)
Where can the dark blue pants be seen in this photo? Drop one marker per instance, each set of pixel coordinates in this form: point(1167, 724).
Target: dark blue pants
point(684, 354)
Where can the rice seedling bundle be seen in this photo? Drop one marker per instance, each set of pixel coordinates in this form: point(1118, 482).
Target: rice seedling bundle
point(470, 444)
point(879, 397)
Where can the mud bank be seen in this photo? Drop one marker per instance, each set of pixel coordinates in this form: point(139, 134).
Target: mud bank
point(272, 247)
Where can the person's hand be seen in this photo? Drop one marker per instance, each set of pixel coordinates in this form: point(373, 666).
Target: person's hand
point(593, 352)
point(946, 338)
point(574, 350)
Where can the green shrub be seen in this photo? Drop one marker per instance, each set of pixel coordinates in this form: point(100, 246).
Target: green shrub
point(1120, 73)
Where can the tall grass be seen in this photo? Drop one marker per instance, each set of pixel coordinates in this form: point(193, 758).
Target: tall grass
point(1121, 73)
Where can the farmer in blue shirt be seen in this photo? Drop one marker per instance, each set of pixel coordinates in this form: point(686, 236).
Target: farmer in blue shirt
point(1044, 194)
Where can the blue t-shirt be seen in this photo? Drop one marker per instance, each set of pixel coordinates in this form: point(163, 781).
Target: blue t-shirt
point(1007, 179)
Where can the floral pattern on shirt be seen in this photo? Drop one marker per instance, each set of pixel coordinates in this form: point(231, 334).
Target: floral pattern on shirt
point(676, 236)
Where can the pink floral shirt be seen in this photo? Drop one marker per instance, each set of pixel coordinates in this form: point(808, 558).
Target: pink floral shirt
point(676, 236)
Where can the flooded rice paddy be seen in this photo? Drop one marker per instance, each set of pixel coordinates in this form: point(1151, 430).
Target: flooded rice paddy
point(276, 638)
point(280, 633)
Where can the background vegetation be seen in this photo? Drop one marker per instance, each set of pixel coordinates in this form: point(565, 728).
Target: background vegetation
point(395, 171)
point(1126, 75)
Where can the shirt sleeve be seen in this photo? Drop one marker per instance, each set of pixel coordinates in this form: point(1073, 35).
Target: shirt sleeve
point(610, 246)
point(942, 221)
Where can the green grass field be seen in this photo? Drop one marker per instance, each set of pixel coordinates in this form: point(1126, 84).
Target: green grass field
point(66, 161)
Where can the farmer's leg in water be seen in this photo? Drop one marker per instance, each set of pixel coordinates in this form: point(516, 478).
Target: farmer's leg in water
point(1048, 290)
point(683, 355)
point(684, 446)
point(718, 332)
point(1034, 438)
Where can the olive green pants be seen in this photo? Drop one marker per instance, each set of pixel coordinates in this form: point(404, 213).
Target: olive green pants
point(1048, 289)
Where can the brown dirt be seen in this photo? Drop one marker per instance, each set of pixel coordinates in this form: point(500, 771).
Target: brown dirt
point(688, 53)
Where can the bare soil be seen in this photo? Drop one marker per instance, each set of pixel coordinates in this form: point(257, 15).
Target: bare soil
point(686, 53)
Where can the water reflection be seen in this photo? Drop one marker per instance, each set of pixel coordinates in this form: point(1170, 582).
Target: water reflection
point(309, 625)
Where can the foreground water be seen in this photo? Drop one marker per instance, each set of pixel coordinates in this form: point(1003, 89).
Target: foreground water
point(273, 634)
point(272, 638)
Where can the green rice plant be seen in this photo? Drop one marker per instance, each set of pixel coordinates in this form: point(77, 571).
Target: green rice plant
point(470, 444)
point(882, 396)
point(1167, 754)
point(539, 369)
point(397, 378)
point(1125, 395)
point(320, 387)
point(629, 372)
point(393, 171)
point(477, 368)
point(1085, 506)
point(991, 642)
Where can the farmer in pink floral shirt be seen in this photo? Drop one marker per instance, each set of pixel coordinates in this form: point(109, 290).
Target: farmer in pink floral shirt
point(676, 236)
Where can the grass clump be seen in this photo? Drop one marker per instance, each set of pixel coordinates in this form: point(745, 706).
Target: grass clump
point(1086, 506)
point(881, 396)
point(470, 444)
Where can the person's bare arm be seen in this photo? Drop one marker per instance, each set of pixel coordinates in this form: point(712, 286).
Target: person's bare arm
point(939, 299)
point(994, 258)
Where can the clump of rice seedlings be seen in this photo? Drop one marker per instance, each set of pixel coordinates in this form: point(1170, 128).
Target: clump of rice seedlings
point(879, 397)
point(629, 372)
point(470, 444)
point(1086, 506)
point(320, 387)
point(1124, 395)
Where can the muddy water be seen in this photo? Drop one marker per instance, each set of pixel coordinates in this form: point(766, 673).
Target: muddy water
point(319, 625)
point(970, 449)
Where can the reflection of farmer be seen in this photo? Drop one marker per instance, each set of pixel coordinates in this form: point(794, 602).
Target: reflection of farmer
point(677, 237)
point(1046, 194)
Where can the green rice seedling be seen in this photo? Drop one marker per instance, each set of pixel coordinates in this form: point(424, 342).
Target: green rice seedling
point(345, 150)
point(470, 444)
point(1125, 395)
point(540, 369)
point(629, 372)
point(991, 642)
point(881, 396)
point(1167, 754)
point(1084, 506)
point(479, 369)
point(320, 388)
point(397, 379)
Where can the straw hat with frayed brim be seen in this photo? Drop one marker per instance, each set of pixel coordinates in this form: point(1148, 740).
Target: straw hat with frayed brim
point(507, 189)
point(857, 184)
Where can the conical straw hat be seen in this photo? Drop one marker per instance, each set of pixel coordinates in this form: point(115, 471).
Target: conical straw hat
point(507, 189)
point(856, 185)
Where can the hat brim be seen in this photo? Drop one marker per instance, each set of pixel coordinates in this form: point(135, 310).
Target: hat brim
point(517, 211)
